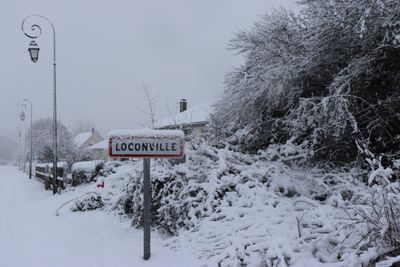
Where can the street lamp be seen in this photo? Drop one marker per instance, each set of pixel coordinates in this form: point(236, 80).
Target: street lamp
point(19, 145)
point(22, 108)
point(33, 32)
point(22, 116)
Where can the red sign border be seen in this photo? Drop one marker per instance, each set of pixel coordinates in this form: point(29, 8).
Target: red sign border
point(181, 155)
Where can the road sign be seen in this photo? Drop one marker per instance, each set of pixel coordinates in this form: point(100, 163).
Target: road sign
point(146, 144)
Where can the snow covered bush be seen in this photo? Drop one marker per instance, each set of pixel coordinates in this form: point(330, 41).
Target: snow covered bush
point(110, 167)
point(238, 209)
point(325, 79)
point(85, 171)
point(91, 201)
point(382, 213)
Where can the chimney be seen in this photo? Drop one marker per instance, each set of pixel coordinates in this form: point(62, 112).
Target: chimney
point(92, 130)
point(182, 105)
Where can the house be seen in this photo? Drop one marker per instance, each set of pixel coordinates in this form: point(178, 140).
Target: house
point(193, 121)
point(99, 150)
point(84, 140)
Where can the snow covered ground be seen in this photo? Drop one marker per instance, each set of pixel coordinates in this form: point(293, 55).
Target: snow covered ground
point(32, 235)
point(233, 209)
point(222, 207)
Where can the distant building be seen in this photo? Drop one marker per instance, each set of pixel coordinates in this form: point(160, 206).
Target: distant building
point(84, 140)
point(99, 150)
point(193, 121)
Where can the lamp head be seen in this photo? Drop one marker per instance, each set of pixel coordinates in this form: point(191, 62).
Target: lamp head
point(22, 116)
point(33, 51)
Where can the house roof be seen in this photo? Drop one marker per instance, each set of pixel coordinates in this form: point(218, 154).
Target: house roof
point(82, 138)
point(100, 145)
point(199, 113)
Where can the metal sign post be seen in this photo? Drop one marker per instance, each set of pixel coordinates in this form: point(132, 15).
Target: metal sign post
point(146, 208)
point(146, 144)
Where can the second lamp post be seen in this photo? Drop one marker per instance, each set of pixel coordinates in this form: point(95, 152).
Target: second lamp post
point(22, 116)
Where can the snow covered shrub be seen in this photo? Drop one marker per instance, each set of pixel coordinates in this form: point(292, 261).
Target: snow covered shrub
point(243, 209)
point(325, 79)
point(382, 215)
point(325, 127)
point(178, 194)
point(382, 171)
point(162, 185)
point(87, 202)
point(85, 171)
point(374, 234)
point(186, 193)
point(110, 167)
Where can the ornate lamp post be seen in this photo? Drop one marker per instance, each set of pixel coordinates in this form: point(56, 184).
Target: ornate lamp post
point(19, 145)
point(33, 32)
point(22, 116)
point(22, 108)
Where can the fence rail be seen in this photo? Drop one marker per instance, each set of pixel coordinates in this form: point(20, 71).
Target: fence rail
point(44, 173)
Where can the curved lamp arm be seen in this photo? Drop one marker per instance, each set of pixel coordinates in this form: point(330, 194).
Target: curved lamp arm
point(35, 31)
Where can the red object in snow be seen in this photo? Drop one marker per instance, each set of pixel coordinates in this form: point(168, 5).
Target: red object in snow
point(101, 185)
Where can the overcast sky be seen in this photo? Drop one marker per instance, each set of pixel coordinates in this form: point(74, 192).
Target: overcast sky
point(107, 49)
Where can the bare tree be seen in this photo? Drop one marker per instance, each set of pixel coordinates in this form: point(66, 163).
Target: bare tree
point(151, 101)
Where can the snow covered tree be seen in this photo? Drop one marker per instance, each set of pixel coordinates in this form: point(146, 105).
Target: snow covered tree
point(354, 56)
point(326, 79)
point(260, 92)
point(43, 141)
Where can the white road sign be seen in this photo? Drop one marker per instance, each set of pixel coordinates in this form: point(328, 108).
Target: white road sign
point(147, 144)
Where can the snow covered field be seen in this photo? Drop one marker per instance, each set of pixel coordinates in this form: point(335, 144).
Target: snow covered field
point(32, 235)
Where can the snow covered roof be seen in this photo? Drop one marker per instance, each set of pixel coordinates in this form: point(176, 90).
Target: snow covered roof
point(197, 114)
point(100, 145)
point(82, 138)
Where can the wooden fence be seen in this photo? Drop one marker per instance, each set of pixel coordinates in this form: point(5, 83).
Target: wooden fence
point(44, 173)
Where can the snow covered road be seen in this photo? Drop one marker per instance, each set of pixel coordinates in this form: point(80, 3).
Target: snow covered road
point(31, 235)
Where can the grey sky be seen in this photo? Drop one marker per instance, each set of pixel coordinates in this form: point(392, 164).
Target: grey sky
point(107, 49)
